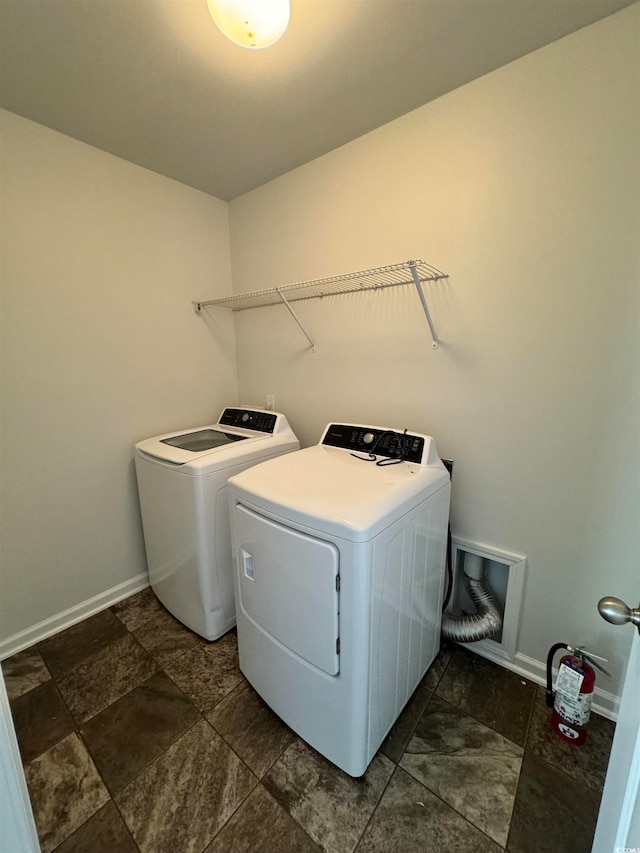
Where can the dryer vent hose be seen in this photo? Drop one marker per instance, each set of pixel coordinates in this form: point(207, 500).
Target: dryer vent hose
point(487, 622)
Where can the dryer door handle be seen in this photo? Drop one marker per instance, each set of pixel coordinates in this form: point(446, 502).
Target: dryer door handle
point(247, 565)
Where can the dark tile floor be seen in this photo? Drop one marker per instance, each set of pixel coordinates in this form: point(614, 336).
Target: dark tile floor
point(137, 735)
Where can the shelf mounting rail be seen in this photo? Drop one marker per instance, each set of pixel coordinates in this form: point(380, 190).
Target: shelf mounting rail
point(414, 272)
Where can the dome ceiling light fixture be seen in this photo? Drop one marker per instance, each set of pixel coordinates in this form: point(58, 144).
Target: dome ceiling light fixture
point(251, 23)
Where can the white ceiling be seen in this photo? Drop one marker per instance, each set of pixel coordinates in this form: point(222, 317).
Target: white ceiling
point(155, 82)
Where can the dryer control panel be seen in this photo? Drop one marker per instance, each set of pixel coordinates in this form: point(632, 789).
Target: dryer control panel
point(393, 444)
point(249, 419)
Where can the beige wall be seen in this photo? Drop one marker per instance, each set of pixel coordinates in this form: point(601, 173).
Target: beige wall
point(524, 187)
point(100, 348)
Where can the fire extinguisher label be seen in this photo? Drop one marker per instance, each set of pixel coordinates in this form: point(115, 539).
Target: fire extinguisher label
point(574, 711)
point(568, 732)
point(569, 682)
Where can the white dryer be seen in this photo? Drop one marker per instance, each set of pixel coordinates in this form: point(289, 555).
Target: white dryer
point(339, 560)
point(182, 478)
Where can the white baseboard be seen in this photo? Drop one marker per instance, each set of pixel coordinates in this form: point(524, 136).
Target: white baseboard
point(604, 703)
point(57, 623)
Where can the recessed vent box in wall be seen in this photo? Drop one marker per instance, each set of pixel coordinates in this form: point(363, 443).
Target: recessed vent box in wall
point(504, 575)
point(415, 272)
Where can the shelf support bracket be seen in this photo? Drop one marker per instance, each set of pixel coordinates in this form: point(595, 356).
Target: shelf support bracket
point(425, 307)
point(293, 314)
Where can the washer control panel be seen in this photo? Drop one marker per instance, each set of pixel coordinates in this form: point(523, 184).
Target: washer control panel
point(381, 442)
point(255, 419)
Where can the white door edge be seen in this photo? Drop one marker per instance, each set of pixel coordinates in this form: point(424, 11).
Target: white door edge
point(16, 818)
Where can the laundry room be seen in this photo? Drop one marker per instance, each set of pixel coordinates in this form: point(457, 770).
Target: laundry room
point(521, 186)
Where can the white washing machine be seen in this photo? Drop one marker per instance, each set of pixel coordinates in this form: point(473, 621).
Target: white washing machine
point(339, 563)
point(182, 478)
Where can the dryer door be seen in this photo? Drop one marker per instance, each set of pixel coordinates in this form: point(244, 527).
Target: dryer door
point(287, 585)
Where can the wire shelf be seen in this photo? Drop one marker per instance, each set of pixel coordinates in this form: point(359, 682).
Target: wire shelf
point(414, 272)
point(394, 275)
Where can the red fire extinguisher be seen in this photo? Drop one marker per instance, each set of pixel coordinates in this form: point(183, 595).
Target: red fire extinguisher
point(574, 692)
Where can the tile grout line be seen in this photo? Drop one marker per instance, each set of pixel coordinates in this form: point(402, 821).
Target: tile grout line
point(542, 760)
point(397, 767)
point(83, 741)
point(55, 743)
point(202, 718)
point(125, 824)
point(472, 717)
point(141, 771)
point(375, 808)
point(480, 722)
point(87, 660)
point(114, 794)
point(454, 809)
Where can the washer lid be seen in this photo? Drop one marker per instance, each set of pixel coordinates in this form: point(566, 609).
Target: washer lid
point(241, 435)
point(335, 493)
point(203, 439)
